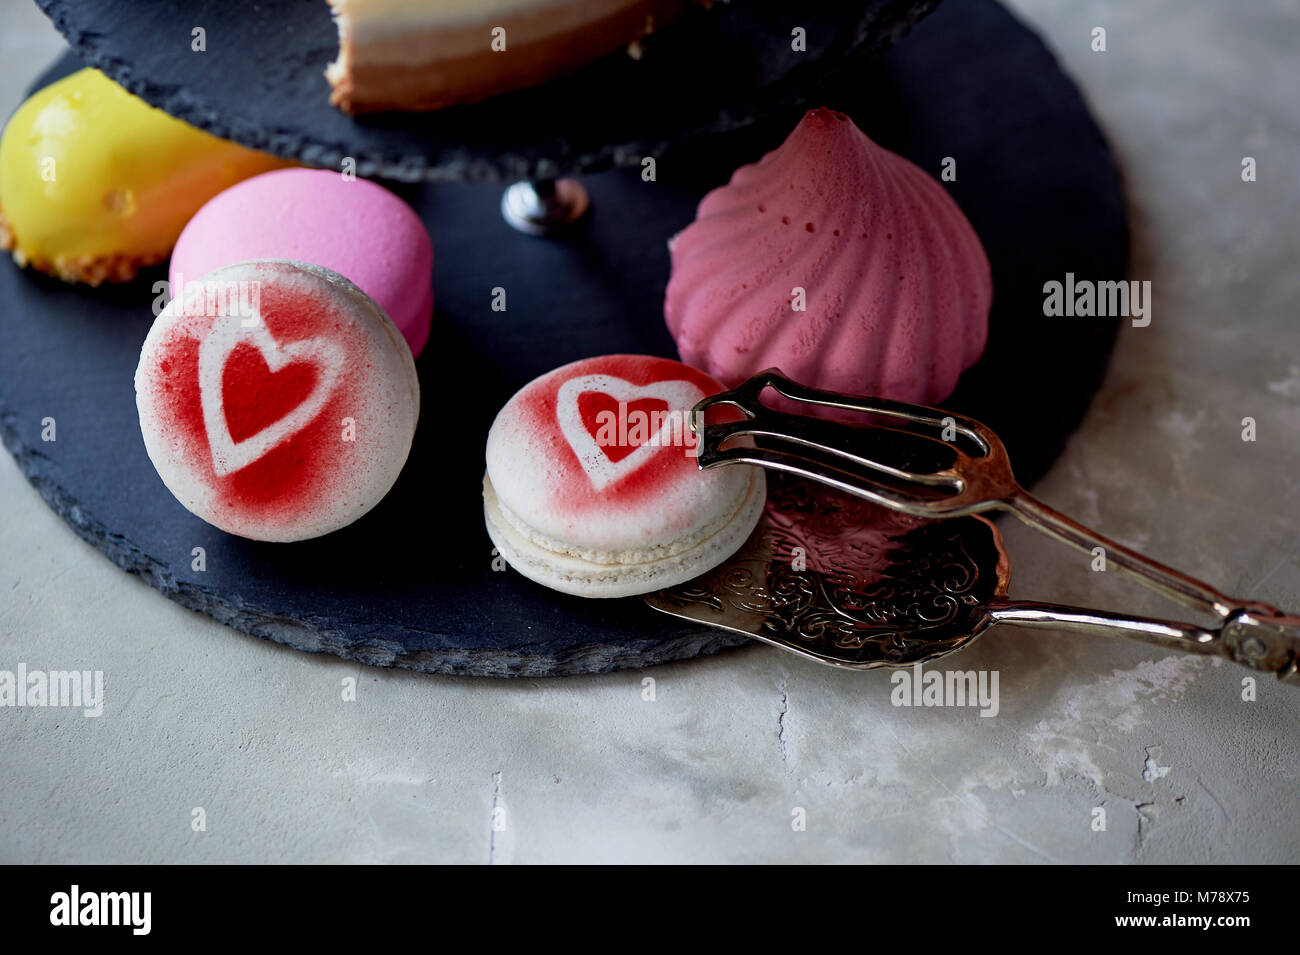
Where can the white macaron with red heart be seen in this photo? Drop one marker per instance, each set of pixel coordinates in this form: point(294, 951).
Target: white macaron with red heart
point(592, 484)
point(277, 400)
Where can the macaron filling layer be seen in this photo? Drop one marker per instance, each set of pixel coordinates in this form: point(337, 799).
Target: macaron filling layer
point(636, 573)
point(660, 551)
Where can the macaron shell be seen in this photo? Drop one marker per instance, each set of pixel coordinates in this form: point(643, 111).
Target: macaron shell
point(642, 513)
point(351, 226)
point(290, 427)
point(583, 578)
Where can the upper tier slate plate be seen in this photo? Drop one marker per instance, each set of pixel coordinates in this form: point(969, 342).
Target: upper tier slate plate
point(261, 82)
point(411, 584)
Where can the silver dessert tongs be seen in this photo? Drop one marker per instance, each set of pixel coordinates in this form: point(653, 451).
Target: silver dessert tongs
point(893, 566)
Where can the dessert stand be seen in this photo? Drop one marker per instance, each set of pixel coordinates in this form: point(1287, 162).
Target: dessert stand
point(259, 81)
point(414, 584)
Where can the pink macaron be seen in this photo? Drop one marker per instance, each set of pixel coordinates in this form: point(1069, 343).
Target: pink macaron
point(348, 225)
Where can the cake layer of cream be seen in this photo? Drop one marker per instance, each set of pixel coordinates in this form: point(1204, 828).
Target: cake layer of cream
point(419, 55)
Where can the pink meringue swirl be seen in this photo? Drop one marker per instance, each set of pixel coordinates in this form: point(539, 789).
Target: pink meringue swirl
point(896, 284)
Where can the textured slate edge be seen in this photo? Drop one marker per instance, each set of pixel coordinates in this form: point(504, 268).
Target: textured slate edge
point(307, 637)
point(455, 165)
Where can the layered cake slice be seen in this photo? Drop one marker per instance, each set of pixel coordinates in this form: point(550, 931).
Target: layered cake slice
point(426, 54)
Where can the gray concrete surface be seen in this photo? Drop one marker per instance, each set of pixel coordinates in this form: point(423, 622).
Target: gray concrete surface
point(716, 766)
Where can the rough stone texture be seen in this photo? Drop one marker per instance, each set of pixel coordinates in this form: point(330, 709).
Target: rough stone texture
point(587, 771)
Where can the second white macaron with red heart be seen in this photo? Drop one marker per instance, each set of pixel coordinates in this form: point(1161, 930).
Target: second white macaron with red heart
point(592, 486)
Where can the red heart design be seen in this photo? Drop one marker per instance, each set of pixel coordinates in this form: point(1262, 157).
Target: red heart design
point(254, 397)
point(609, 457)
point(591, 405)
point(287, 408)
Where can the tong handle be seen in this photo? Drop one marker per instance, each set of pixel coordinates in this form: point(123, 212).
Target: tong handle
point(1165, 633)
point(1270, 643)
point(1174, 584)
point(1254, 634)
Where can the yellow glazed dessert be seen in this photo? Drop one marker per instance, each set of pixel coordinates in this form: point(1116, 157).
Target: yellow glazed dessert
point(95, 184)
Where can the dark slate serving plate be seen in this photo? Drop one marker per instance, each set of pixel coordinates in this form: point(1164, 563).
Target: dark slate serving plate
point(412, 584)
point(261, 82)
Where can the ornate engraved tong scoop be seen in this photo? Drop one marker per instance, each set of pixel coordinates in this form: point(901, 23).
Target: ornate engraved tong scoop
point(863, 576)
